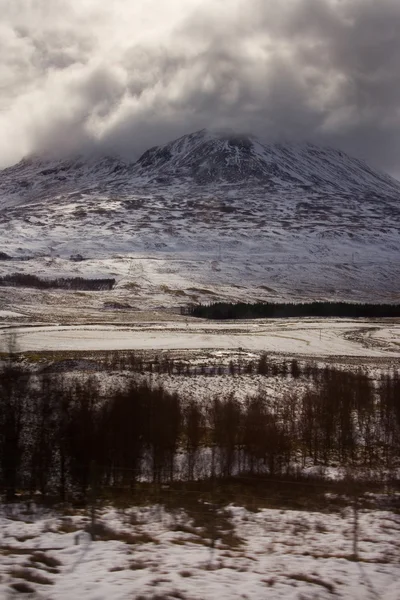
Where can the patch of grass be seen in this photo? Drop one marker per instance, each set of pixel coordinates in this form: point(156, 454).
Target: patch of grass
point(22, 588)
point(201, 291)
point(180, 542)
point(9, 551)
point(31, 576)
point(159, 580)
point(167, 596)
point(177, 594)
point(231, 540)
point(167, 290)
point(48, 561)
point(185, 528)
point(25, 538)
point(131, 285)
point(349, 557)
point(300, 527)
point(213, 566)
point(314, 580)
point(269, 582)
point(104, 533)
point(320, 527)
point(67, 526)
point(133, 518)
point(138, 565)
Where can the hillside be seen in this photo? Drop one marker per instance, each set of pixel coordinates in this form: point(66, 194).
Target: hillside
point(206, 158)
point(213, 209)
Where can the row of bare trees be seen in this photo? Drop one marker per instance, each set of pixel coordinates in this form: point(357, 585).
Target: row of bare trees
point(164, 364)
point(58, 435)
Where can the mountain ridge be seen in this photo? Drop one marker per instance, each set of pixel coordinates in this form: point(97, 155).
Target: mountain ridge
point(208, 157)
point(204, 158)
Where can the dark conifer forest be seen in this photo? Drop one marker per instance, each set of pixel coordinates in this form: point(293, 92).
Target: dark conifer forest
point(65, 283)
point(262, 310)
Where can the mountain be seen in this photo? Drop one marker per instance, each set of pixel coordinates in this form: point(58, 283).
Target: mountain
point(293, 217)
point(205, 157)
point(39, 176)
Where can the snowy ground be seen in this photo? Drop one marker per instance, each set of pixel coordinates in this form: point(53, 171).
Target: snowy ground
point(175, 278)
point(306, 337)
point(149, 553)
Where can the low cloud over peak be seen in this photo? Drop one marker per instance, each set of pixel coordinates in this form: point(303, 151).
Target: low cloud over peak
point(80, 76)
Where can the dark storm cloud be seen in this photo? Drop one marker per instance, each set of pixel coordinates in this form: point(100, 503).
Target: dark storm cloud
point(120, 79)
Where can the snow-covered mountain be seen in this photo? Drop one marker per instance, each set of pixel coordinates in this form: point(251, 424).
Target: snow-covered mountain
point(203, 158)
point(39, 176)
point(292, 216)
point(206, 157)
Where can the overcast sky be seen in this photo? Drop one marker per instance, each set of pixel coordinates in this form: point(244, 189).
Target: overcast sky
point(119, 76)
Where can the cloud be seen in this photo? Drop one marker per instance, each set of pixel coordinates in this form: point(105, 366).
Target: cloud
point(118, 77)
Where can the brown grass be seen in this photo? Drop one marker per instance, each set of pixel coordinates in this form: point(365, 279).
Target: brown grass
point(131, 285)
point(67, 526)
point(138, 565)
point(31, 576)
point(201, 291)
point(314, 580)
point(25, 538)
point(10, 550)
point(49, 561)
point(104, 533)
point(167, 596)
point(22, 588)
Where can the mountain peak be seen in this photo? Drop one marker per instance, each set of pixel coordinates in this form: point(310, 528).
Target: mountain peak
point(205, 158)
point(228, 157)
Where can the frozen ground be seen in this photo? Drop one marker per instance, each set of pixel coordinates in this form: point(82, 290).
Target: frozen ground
point(148, 553)
point(149, 280)
point(308, 337)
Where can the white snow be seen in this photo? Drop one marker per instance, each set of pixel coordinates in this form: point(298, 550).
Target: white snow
point(279, 554)
point(308, 337)
point(9, 313)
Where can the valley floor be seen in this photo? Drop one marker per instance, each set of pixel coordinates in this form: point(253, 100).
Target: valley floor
point(304, 337)
point(149, 553)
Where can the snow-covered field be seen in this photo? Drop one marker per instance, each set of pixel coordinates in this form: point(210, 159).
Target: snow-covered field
point(6, 314)
point(308, 337)
point(148, 553)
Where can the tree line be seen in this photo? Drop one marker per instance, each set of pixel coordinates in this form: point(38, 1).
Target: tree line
point(65, 283)
point(61, 436)
point(237, 365)
point(281, 310)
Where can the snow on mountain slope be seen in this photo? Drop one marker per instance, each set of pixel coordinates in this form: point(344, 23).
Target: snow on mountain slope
point(38, 177)
point(213, 157)
point(214, 210)
point(203, 158)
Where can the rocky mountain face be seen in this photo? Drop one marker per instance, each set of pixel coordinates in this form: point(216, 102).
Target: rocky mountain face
point(204, 158)
point(311, 217)
point(36, 177)
point(208, 158)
